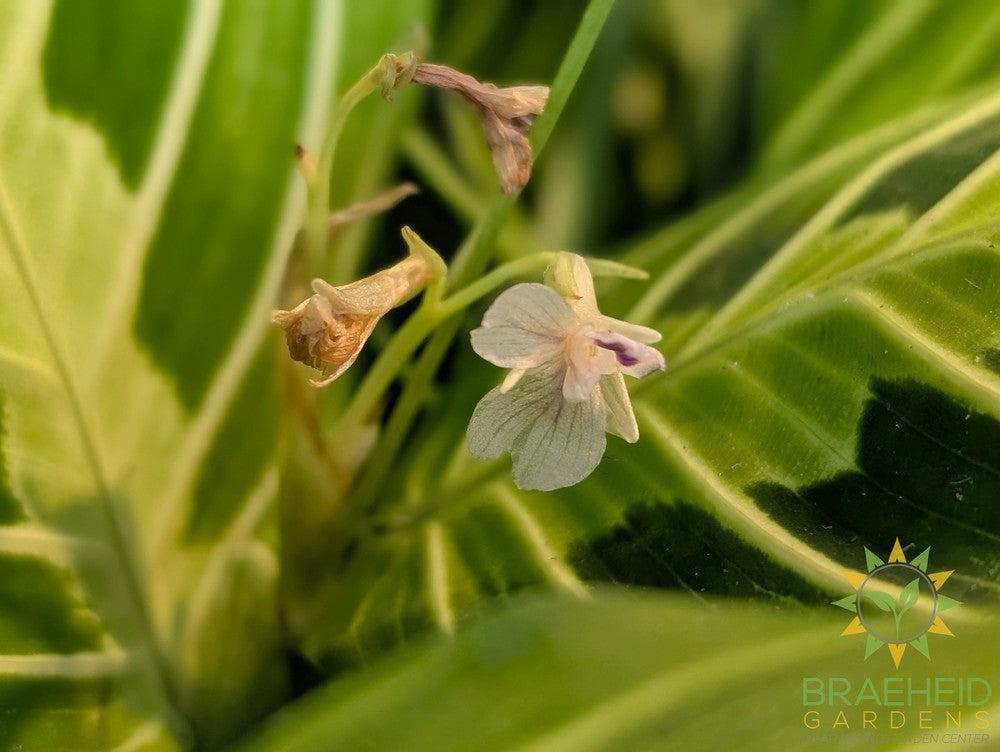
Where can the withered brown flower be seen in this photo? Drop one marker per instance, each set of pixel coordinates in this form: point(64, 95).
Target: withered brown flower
point(506, 114)
point(328, 329)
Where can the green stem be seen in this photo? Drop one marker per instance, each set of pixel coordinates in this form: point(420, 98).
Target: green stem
point(389, 362)
point(475, 253)
point(569, 71)
point(419, 383)
point(319, 193)
point(489, 282)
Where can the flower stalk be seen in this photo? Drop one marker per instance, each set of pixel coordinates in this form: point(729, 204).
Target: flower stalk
point(435, 311)
point(431, 313)
point(437, 315)
point(388, 73)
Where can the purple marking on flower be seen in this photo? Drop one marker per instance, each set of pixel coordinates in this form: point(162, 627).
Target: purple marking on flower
point(620, 349)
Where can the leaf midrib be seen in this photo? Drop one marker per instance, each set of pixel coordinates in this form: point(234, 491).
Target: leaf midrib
point(172, 133)
point(826, 295)
point(184, 91)
point(704, 249)
point(878, 43)
point(117, 539)
point(748, 295)
point(320, 73)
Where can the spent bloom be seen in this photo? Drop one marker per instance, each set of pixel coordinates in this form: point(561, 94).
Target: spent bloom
point(506, 114)
point(328, 329)
point(565, 387)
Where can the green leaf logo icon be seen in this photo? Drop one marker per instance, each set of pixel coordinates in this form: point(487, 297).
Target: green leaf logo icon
point(882, 589)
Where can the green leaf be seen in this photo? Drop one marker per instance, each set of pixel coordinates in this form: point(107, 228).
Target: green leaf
point(83, 52)
point(871, 560)
point(908, 596)
point(148, 203)
point(570, 68)
point(858, 66)
point(625, 671)
point(190, 245)
point(848, 603)
point(883, 601)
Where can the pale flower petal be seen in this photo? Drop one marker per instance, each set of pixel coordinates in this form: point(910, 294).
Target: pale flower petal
point(586, 362)
point(621, 417)
point(524, 327)
point(501, 418)
point(563, 447)
point(634, 358)
point(553, 443)
point(569, 275)
point(632, 331)
point(552, 418)
point(510, 380)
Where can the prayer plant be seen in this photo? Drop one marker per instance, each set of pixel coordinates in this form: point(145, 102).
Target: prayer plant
point(261, 265)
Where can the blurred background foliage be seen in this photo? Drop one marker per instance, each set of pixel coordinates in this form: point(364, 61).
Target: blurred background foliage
point(682, 99)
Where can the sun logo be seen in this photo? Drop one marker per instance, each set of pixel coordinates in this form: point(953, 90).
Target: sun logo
point(897, 603)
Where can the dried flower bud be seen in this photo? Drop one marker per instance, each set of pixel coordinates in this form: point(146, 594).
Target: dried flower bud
point(327, 330)
point(506, 114)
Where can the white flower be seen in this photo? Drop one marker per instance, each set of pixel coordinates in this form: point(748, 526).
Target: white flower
point(565, 388)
